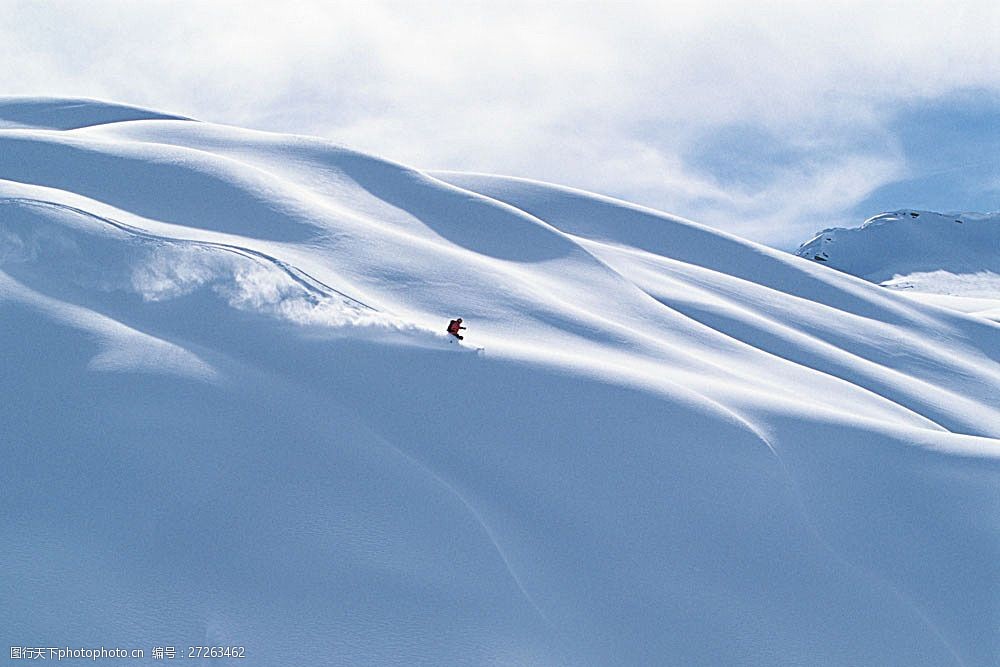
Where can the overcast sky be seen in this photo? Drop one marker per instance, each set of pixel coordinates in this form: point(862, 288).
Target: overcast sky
point(769, 120)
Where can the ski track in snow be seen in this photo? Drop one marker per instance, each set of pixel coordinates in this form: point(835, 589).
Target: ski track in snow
point(302, 278)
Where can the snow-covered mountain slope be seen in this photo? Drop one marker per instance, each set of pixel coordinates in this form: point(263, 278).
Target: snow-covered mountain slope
point(230, 416)
point(948, 260)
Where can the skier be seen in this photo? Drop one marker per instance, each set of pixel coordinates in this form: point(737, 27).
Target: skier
point(454, 327)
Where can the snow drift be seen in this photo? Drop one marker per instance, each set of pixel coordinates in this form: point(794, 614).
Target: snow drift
point(231, 417)
point(948, 260)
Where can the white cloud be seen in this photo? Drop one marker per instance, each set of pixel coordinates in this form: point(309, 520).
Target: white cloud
point(606, 96)
point(807, 199)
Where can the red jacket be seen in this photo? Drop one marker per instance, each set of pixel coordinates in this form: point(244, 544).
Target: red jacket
point(454, 326)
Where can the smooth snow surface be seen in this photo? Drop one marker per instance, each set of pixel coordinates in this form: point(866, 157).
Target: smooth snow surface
point(231, 416)
point(948, 260)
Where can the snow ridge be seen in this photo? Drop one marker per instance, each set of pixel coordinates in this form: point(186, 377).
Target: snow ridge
point(68, 114)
